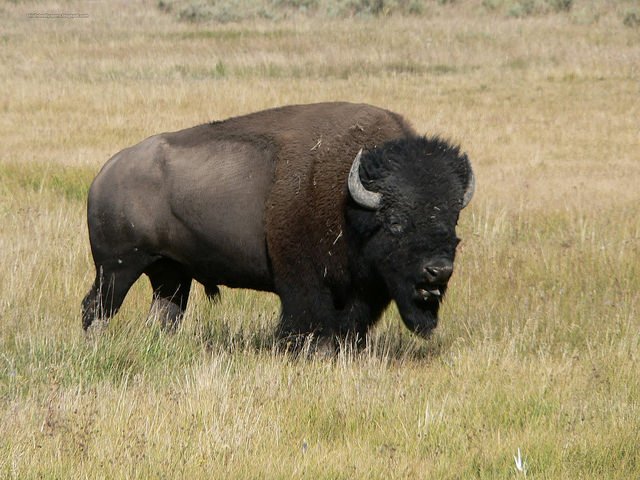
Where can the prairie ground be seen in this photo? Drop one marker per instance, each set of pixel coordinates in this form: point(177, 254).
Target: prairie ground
point(538, 347)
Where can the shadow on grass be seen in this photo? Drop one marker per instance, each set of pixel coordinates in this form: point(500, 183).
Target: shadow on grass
point(388, 341)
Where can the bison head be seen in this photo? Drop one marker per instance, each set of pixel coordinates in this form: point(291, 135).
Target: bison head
point(406, 199)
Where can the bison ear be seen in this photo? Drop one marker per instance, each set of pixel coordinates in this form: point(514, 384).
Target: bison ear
point(470, 182)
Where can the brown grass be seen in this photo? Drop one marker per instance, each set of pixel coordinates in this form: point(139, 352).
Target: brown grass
point(538, 346)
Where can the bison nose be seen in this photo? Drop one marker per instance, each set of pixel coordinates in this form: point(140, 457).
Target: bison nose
point(438, 272)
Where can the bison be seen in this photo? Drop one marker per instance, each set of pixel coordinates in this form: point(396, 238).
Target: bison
point(337, 208)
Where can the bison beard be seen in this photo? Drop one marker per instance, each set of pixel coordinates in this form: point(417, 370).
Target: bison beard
point(337, 208)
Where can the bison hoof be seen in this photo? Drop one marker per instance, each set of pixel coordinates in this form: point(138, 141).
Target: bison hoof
point(96, 328)
point(166, 313)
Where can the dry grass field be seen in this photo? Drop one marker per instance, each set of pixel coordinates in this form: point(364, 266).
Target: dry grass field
point(538, 348)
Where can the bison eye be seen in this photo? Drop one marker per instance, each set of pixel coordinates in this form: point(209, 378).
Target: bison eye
point(396, 228)
point(397, 224)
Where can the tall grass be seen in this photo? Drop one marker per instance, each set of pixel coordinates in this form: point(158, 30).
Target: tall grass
point(538, 345)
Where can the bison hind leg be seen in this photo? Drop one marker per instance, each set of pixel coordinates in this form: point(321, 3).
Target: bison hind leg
point(171, 284)
point(114, 278)
point(92, 305)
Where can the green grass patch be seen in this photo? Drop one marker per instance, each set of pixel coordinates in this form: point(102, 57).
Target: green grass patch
point(69, 182)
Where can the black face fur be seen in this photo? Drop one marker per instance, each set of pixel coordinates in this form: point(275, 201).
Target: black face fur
point(410, 242)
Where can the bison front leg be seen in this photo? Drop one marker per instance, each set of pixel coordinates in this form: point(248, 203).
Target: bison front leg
point(316, 321)
point(306, 321)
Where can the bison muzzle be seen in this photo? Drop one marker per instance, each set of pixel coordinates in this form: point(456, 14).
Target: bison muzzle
point(337, 208)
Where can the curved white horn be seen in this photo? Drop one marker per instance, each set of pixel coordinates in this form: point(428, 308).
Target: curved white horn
point(471, 188)
point(363, 197)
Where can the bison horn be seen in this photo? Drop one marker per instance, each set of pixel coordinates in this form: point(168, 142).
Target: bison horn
point(471, 188)
point(363, 197)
